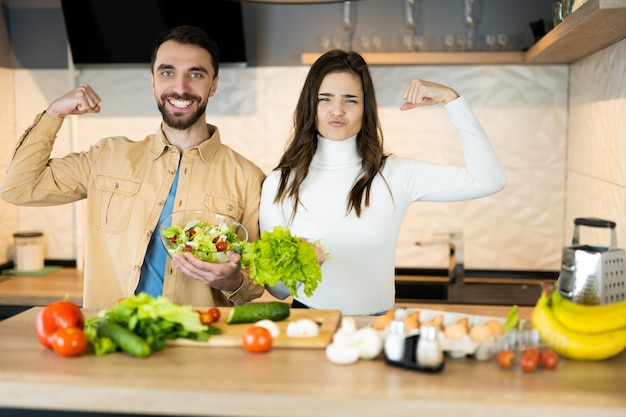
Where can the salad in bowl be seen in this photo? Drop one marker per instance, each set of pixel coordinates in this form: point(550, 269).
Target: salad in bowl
point(207, 235)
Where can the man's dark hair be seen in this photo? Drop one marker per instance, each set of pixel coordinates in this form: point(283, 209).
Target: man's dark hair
point(188, 35)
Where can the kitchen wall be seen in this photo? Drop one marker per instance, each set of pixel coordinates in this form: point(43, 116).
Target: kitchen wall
point(596, 153)
point(522, 108)
point(559, 131)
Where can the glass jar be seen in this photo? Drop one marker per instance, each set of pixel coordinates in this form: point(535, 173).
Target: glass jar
point(28, 251)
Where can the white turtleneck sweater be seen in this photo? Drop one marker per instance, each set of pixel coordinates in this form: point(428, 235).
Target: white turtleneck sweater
point(359, 278)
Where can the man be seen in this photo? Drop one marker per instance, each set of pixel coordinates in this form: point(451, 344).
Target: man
point(130, 186)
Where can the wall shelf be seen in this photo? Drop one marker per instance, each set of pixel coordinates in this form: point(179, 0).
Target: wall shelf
point(592, 27)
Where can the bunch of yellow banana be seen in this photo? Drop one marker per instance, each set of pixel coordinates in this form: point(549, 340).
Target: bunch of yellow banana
point(580, 332)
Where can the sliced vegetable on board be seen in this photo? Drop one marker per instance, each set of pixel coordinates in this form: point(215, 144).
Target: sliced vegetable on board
point(253, 312)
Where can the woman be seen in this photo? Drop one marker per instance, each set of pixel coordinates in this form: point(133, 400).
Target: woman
point(335, 183)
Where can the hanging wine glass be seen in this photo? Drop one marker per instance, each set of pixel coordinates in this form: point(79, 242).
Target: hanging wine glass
point(471, 21)
point(349, 14)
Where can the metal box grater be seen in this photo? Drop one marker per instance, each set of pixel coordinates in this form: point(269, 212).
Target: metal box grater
point(592, 274)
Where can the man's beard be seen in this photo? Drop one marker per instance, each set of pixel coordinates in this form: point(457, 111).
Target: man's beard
point(181, 124)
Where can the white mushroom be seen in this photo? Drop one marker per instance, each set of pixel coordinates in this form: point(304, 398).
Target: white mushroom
point(303, 328)
point(269, 325)
point(369, 342)
point(342, 354)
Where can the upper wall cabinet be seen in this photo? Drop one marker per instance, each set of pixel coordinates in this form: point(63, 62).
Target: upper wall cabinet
point(592, 27)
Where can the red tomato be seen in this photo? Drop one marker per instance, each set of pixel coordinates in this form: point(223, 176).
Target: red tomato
point(505, 359)
point(529, 361)
point(57, 315)
point(257, 339)
point(69, 341)
point(533, 352)
point(206, 318)
point(215, 313)
point(172, 239)
point(549, 358)
point(220, 246)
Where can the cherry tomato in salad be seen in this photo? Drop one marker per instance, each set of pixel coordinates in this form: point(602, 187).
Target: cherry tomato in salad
point(215, 313)
point(172, 239)
point(69, 341)
point(57, 315)
point(549, 358)
point(221, 246)
point(257, 339)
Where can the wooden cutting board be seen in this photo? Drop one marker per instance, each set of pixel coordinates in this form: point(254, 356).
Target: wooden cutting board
point(328, 321)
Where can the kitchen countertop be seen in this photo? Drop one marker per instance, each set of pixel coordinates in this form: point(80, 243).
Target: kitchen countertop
point(32, 290)
point(209, 381)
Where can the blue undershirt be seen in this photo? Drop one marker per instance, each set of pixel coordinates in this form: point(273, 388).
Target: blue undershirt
point(153, 268)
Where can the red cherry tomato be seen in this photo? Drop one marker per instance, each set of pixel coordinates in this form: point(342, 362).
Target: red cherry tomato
point(529, 361)
point(505, 359)
point(206, 318)
point(549, 358)
point(57, 315)
point(532, 352)
point(215, 313)
point(69, 341)
point(220, 246)
point(257, 339)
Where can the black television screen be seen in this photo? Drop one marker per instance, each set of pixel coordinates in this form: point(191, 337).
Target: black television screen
point(124, 31)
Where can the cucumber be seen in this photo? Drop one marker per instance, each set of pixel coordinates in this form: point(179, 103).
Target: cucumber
point(125, 339)
point(253, 312)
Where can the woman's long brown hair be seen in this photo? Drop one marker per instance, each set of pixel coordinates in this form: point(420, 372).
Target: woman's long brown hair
point(303, 143)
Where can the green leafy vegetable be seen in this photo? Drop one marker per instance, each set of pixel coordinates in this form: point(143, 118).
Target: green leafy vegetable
point(156, 320)
point(281, 256)
point(512, 319)
point(101, 345)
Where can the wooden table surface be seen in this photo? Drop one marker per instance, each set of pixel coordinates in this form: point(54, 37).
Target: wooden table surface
point(25, 290)
point(186, 381)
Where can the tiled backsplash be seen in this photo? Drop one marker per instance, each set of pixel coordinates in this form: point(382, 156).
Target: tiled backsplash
point(523, 109)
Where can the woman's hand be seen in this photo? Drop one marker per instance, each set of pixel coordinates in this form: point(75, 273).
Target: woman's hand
point(319, 252)
point(424, 93)
point(222, 276)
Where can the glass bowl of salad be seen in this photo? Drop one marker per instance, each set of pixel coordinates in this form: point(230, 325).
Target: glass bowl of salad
point(207, 235)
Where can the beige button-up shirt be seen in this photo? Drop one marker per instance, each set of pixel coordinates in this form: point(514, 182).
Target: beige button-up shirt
point(126, 184)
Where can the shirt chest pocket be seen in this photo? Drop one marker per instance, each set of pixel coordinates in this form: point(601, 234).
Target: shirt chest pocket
point(224, 205)
point(112, 202)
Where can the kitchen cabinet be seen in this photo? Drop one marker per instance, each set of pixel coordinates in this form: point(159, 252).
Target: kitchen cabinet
point(228, 381)
point(592, 27)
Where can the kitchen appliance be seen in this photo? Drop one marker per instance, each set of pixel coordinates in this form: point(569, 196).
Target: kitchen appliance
point(592, 274)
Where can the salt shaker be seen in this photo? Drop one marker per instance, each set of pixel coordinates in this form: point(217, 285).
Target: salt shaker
point(394, 341)
point(428, 352)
